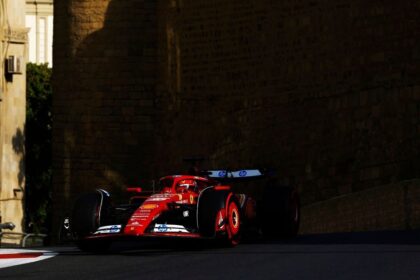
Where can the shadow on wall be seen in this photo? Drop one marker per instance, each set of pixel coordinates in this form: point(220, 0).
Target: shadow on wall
point(113, 102)
point(18, 144)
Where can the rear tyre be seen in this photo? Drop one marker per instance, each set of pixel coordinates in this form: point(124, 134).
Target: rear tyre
point(280, 212)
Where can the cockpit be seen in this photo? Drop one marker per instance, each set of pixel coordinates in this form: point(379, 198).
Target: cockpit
point(186, 186)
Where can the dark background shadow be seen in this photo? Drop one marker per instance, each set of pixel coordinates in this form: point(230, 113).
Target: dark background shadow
point(103, 100)
point(18, 144)
point(370, 237)
point(114, 70)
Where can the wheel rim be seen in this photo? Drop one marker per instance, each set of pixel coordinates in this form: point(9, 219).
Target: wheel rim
point(234, 219)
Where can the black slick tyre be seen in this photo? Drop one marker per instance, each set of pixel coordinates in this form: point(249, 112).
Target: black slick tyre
point(233, 222)
point(89, 212)
point(209, 204)
point(212, 203)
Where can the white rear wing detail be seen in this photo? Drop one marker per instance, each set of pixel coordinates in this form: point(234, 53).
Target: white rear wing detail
point(245, 173)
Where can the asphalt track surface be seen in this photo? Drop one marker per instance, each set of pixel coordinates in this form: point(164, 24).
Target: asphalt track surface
point(375, 255)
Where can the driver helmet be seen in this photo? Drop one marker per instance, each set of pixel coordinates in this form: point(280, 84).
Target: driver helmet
point(187, 185)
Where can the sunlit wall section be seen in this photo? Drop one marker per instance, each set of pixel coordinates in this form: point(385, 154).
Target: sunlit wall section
point(13, 43)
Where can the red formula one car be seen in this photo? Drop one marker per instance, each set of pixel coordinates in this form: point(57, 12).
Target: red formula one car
point(186, 206)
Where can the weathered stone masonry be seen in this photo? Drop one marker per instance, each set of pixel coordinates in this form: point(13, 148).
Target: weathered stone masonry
point(327, 92)
point(13, 42)
point(105, 83)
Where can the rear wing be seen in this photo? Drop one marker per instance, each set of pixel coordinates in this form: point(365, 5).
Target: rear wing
point(238, 174)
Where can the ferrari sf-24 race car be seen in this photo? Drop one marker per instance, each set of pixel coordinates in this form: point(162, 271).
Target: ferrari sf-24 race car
point(186, 206)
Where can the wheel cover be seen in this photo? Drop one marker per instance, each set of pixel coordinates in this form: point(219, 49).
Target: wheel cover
point(234, 219)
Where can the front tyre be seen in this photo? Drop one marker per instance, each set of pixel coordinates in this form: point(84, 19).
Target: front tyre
point(233, 224)
point(90, 211)
point(219, 216)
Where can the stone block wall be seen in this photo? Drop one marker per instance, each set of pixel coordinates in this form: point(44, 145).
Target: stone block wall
point(104, 85)
point(326, 92)
point(13, 42)
point(389, 207)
